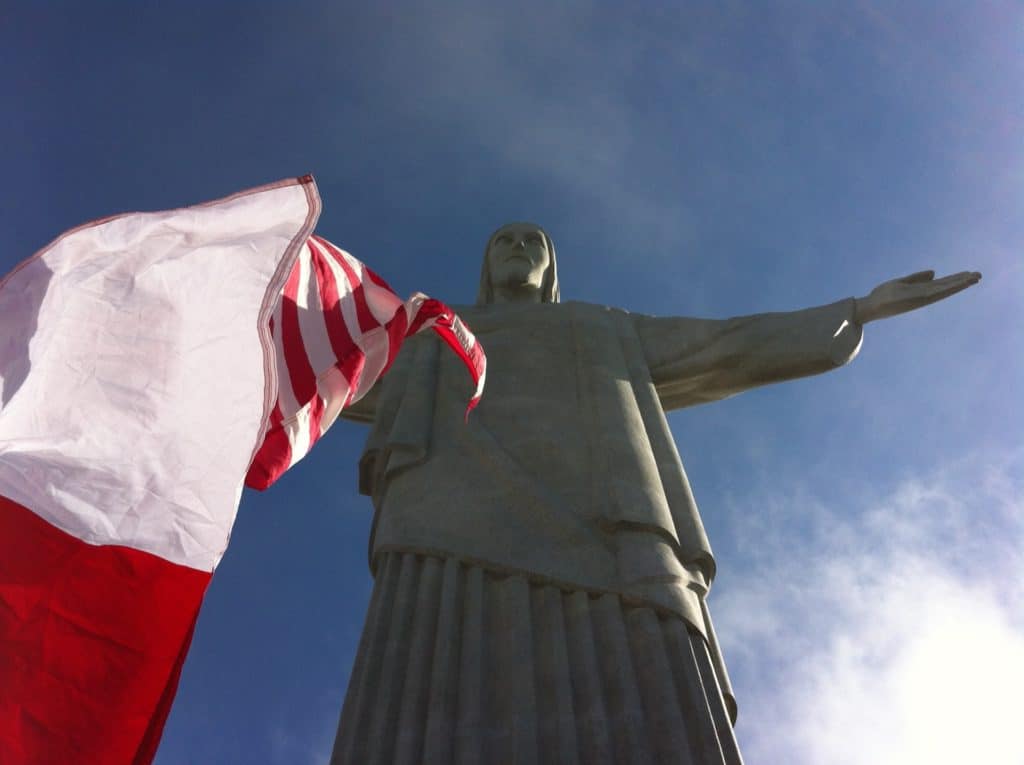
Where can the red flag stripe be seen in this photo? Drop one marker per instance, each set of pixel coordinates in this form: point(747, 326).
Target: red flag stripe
point(90, 636)
point(396, 329)
point(275, 454)
point(379, 280)
point(300, 372)
point(368, 341)
point(340, 338)
point(334, 390)
point(376, 349)
point(347, 304)
point(424, 309)
point(286, 401)
point(432, 314)
point(352, 367)
point(367, 321)
point(382, 301)
point(315, 338)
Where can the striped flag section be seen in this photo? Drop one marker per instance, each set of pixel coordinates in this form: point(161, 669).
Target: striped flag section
point(138, 381)
point(337, 329)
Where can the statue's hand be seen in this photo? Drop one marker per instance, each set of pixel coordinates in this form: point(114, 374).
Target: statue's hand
point(910, 292)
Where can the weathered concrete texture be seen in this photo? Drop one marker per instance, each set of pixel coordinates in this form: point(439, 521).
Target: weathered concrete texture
point(461, 665)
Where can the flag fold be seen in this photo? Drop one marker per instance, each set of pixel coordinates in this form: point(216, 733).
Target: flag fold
point(337, 329)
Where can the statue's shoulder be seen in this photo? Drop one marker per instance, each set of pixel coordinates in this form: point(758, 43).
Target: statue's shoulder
point(596, 308)
point(597, 312)
point(492, 316)
point(508, 309)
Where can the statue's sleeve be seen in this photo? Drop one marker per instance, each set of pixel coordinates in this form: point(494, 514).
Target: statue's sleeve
point(693, 361)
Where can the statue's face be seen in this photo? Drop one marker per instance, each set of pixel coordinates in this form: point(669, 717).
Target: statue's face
point(518, 257)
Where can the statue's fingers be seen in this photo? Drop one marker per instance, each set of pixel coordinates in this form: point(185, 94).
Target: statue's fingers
point(950, 285)
point(972, 276)
point(919, 276)
point(964, 277)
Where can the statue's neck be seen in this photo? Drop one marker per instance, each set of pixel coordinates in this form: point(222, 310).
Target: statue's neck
point(526, 293)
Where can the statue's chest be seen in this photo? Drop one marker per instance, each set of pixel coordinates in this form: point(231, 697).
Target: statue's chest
point(537, 401)
point(531, 367)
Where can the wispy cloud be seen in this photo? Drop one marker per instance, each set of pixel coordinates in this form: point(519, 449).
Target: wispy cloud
point(893, 632)
point(543, 98)
point(312, 742)
point(290, 748)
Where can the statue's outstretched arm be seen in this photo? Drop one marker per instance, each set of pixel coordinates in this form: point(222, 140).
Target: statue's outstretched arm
point(909, 293)
point(693, 361)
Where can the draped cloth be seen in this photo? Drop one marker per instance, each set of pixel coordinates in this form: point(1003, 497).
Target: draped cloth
point(461, 665)
point(567, 479)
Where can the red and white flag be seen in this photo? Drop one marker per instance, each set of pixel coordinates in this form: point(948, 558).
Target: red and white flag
point(138, 388)
point(337, 329)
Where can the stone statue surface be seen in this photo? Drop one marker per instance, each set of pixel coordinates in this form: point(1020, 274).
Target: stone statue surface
point(565, 488)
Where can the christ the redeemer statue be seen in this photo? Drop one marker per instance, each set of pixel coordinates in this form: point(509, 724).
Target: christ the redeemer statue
point(541, 571)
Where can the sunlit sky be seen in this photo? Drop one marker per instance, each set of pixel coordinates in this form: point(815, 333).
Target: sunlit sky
point(708, 160)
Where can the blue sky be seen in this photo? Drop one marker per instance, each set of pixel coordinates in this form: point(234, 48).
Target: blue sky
point(713, 160)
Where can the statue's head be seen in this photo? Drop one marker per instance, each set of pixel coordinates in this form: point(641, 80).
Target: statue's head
point(519, 264)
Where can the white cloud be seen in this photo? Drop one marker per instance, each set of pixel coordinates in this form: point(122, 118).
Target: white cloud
point(892, 633)
point(545, 96)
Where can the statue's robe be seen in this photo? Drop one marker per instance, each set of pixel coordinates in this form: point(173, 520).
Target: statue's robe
point(541, 569)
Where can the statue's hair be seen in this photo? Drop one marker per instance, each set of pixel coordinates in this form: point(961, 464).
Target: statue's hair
point(549, 286)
